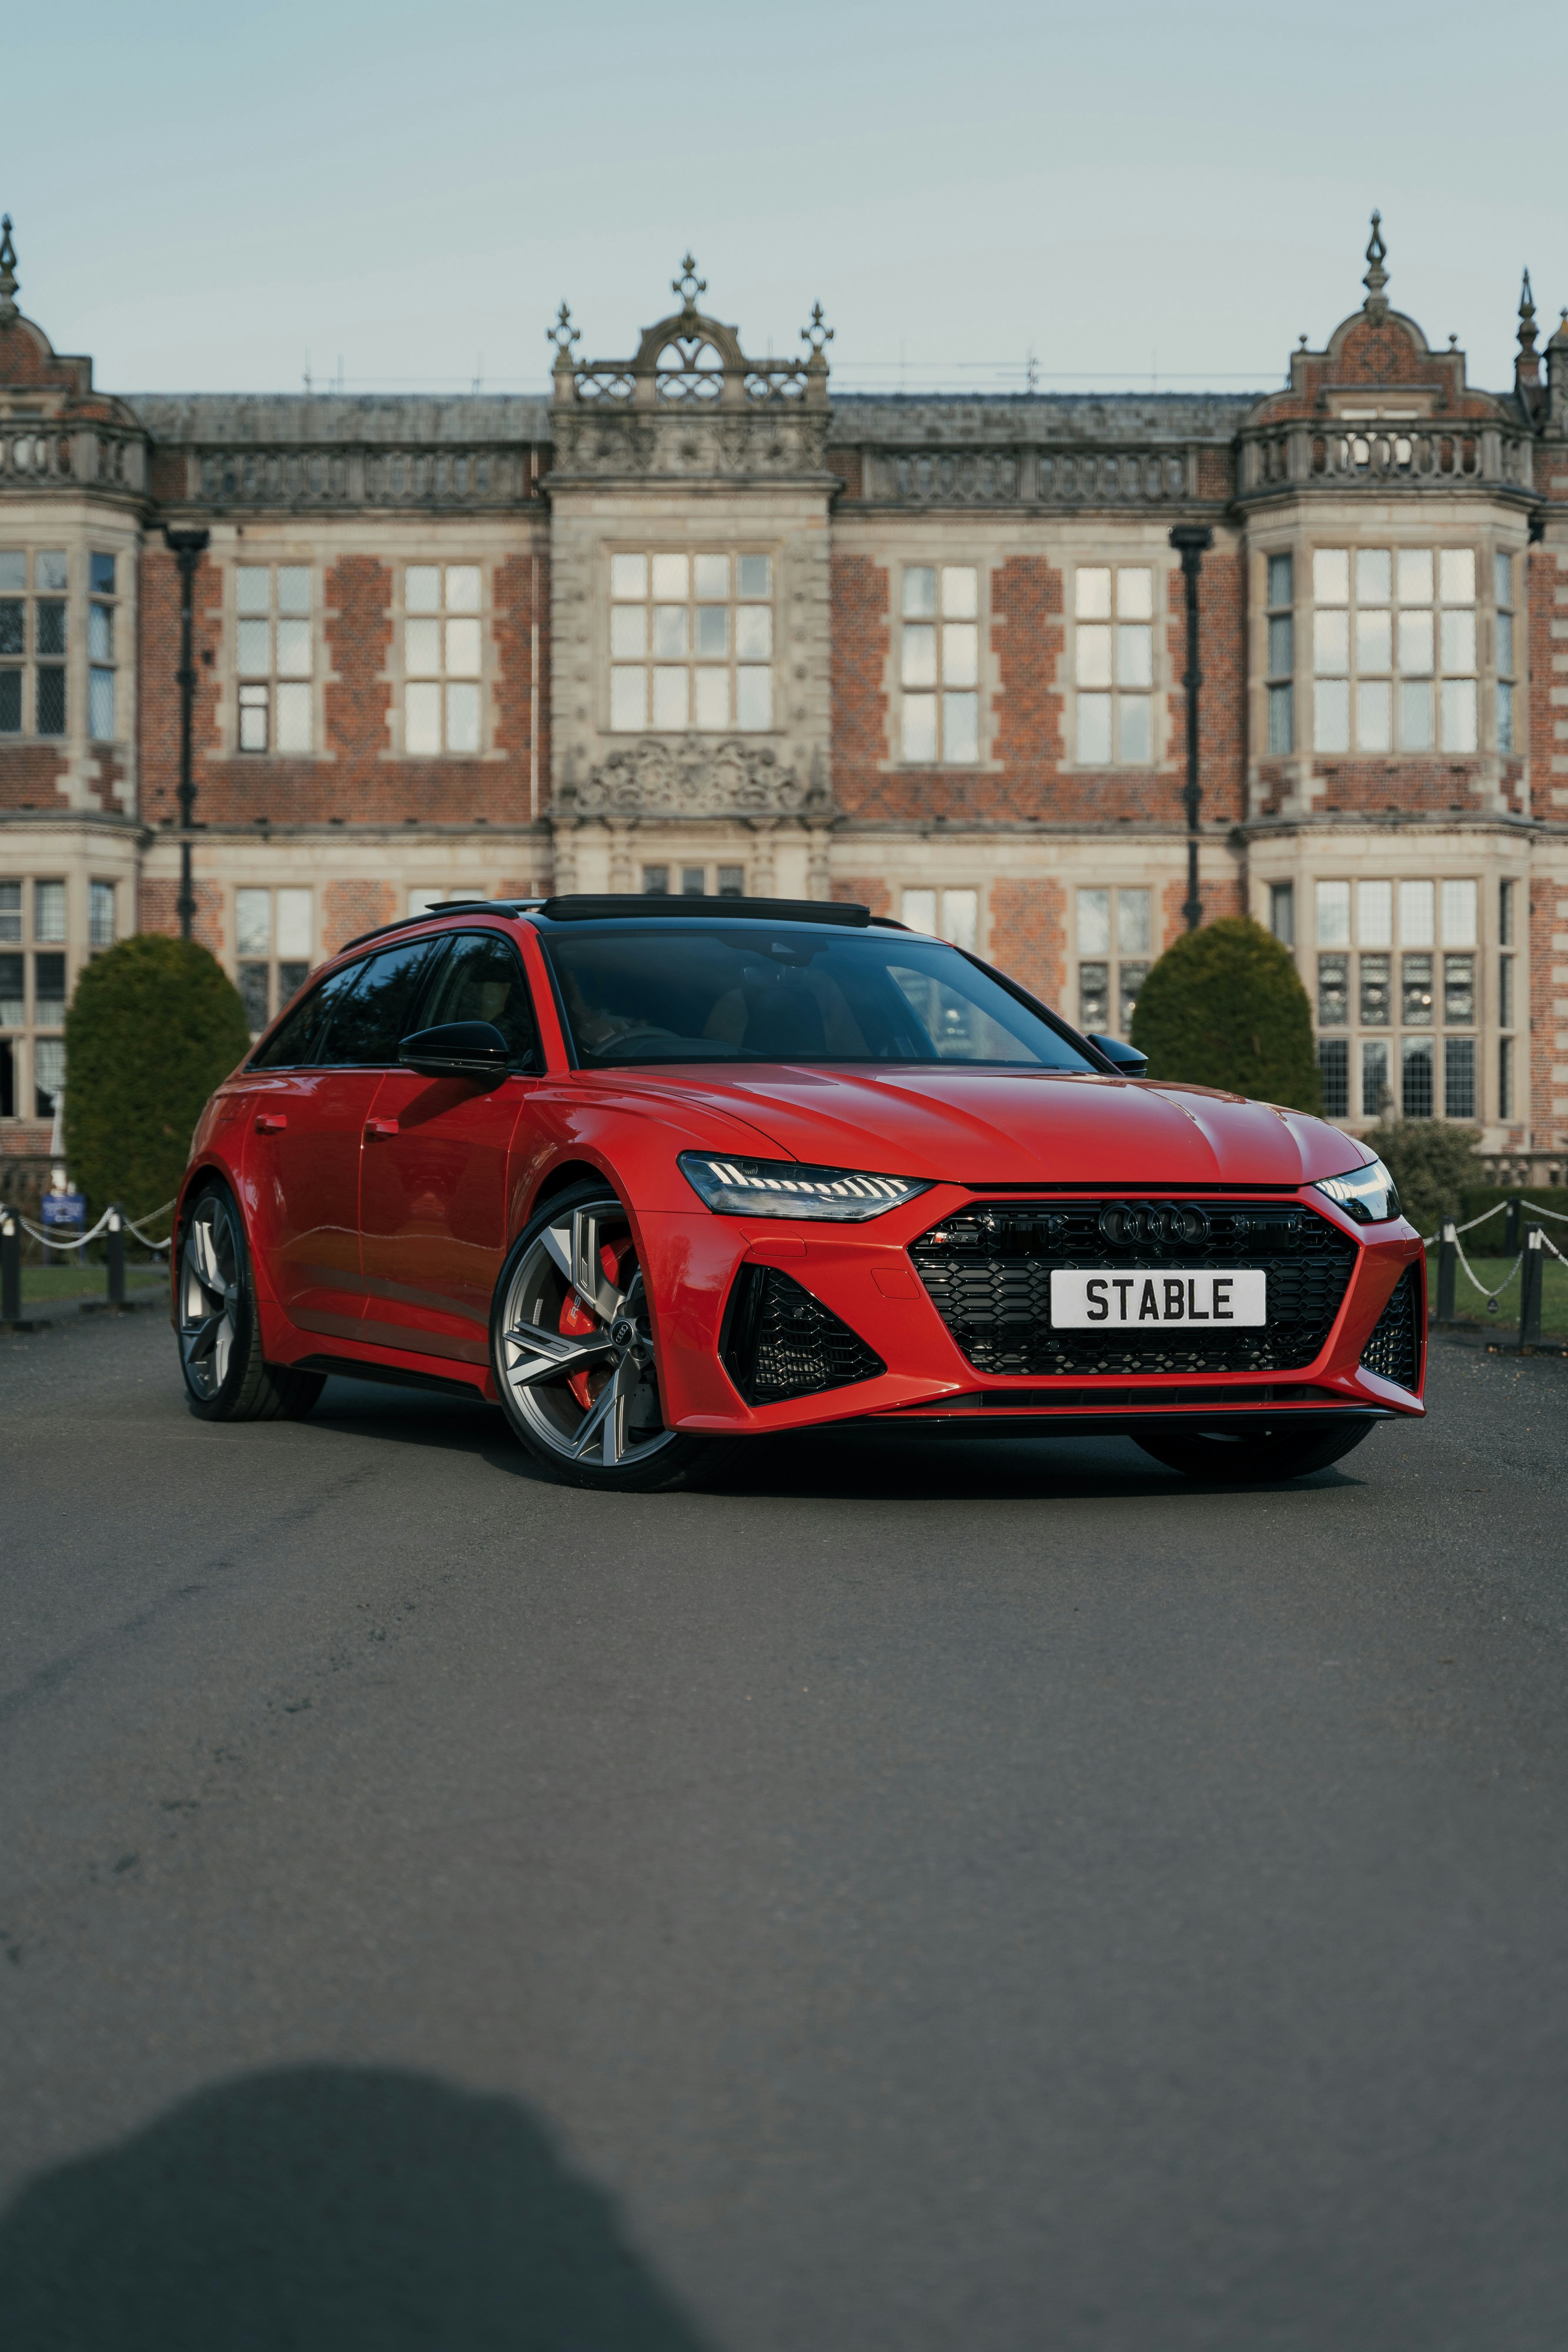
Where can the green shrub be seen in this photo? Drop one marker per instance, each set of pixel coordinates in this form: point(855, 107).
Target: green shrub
point(1476, 1199)
point(1224, 1007)
point(153, 1026)
point(1432, 1163)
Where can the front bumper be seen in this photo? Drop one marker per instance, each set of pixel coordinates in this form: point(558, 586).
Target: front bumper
point(866, 1278)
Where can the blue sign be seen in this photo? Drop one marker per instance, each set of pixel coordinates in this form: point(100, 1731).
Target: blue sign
point(65, 1209)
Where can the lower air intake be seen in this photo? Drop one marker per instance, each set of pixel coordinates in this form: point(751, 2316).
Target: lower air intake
point(1393, 1350)
point(781, 1342)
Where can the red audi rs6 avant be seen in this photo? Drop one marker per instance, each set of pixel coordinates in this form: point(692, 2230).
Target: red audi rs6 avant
point(651, 1173)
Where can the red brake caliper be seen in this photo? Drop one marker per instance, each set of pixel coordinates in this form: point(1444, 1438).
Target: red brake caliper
point(619, 1261)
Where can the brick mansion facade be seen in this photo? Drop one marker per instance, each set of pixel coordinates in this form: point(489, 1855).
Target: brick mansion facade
point(698, 623)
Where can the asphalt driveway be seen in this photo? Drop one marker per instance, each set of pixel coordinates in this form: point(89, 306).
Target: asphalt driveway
point(907, 1896)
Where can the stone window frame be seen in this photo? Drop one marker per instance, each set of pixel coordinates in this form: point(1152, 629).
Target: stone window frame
point(24, 936)
point(284, 967)
point(1398, 536)
point(732, 545)
point(444, 559)
point(940, 558)
point(275, 559)
point(113, 603)
point(694, 877)
point(1098, 555)
point(1124, 968)
point(33, 545)
point(1376, 952)
point(960, 912)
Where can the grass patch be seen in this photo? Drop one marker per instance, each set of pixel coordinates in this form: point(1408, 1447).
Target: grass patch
point(43, 1283)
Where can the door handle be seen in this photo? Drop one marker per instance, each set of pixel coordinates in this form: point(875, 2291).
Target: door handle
point(381, 1126)
point(272, 1122)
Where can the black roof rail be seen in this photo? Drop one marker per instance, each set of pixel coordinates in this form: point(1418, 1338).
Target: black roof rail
point(444, 907)
point(606, 906)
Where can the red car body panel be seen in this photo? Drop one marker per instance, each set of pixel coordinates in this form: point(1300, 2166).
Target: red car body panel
point(380, 1211)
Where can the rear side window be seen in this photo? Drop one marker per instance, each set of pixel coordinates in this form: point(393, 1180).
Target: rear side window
point(297, 1043)
point(482, 980)
point(371, 1019)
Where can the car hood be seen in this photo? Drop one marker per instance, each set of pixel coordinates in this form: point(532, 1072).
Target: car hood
point(984, 1127)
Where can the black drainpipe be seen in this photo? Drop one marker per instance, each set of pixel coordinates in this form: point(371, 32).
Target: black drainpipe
point(1190, 541)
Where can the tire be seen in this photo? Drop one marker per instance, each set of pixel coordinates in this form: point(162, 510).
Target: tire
point(572, 1350)
point(1265, 1456)
point(218, 1326)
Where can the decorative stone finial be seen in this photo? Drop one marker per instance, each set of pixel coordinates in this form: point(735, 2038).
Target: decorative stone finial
point(1526, 367)
point(1560, 339)
point(1526, 316)
point(816, 334)
point(8, 309)
point(688, 286)
point(563, 334)
point(1376, 277)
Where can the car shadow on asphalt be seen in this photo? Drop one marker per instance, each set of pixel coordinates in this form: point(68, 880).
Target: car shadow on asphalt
point(860, 1464)
point(328, 2208)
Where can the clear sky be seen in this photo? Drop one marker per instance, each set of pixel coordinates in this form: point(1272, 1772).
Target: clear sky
point(209, 198)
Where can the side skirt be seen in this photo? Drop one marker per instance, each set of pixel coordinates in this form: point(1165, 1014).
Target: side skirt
point(355, 1367)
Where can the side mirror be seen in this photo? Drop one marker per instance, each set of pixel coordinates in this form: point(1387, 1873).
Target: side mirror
point(458, 1049)
point(1128, 1058)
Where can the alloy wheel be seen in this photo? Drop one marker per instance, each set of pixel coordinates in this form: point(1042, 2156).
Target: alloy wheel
point(576, 1345)
point(210, 1280)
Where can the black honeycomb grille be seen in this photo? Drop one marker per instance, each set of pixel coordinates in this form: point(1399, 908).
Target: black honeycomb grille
point(781, 1342)
point(989, 1272)
point(1393, 1350)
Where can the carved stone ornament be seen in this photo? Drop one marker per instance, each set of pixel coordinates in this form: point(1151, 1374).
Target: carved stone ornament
point(691, 776)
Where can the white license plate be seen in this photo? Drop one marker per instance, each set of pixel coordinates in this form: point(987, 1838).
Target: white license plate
point(1149, 1297)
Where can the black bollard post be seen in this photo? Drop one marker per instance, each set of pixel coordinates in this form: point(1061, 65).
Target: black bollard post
point(1529, 1288)
point(116, 1233)
point(1447, 1268)
point(10, 1267)
point(1510, 1216)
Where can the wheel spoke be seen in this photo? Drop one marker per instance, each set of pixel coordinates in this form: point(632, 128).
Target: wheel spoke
point(607, 1422)
point(204, 1254)
point(549, 1356)
point(204, 1340)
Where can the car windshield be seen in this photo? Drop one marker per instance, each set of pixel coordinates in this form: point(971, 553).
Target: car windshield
point(749, 992)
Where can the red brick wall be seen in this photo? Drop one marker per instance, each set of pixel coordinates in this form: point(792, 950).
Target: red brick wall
point(158, 910)
point(859, 623)
point(1028, 936)
point(30, 776)
point(1217, 894)
point(350, 907)
point(1548, 953)
point(848, 466)
point(356, 779)
point(1436, 785)
point(864, 890)
point(1028, 633)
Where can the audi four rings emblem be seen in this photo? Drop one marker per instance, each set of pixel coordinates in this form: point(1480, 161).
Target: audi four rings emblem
point(1125, 1224)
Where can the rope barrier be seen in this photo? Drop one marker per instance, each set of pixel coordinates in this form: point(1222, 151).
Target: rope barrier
point(1491, 1297)
point(80, 1241)
point(1497, 1210)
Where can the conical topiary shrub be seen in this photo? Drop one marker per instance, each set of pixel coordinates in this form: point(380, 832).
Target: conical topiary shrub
point(154, 1023)
point(1224, 1007)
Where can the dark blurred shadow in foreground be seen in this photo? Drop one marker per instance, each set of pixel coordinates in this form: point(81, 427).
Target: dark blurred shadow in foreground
point(327, 2209)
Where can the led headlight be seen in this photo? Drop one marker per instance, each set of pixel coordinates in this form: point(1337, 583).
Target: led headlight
point(783, 1188)
point(1368, 1194)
